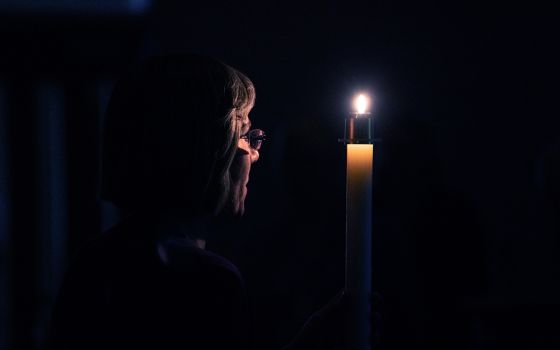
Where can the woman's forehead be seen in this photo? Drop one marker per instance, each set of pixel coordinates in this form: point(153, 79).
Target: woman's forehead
point(246, 125)
point(245, 120)
point(244, 117)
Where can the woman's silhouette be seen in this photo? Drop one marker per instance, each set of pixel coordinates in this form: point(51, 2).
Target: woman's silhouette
point(177, 151)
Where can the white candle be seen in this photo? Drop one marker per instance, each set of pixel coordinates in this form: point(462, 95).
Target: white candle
point(359, 168)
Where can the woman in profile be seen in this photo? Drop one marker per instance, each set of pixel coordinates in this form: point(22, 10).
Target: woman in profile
point(177, 152)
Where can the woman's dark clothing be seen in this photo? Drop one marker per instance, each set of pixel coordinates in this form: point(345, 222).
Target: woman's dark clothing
point(132, 289)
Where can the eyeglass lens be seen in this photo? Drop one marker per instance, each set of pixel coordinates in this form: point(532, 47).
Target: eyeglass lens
point(256, 138)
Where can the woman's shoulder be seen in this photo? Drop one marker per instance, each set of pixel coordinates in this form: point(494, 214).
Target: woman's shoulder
point(182, 257)
point(128, 250)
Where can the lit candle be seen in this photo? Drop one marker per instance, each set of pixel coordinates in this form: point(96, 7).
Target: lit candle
point(359, 168)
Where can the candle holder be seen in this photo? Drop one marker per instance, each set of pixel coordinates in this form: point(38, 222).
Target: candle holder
point(358, 129)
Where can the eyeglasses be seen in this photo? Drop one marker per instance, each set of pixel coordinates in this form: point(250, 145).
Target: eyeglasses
point(255, 138)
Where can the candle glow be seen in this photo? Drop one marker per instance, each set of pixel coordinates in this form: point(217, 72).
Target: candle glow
point(361, 104)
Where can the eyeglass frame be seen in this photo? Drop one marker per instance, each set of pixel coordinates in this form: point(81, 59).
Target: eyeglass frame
point(250, 139)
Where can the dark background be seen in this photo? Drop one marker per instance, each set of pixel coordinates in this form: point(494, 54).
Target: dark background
point(466, 187)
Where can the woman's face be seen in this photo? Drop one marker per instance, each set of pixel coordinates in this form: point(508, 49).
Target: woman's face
point(240, 169)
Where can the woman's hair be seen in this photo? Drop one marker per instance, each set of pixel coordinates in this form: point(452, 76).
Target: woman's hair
point(171, 132)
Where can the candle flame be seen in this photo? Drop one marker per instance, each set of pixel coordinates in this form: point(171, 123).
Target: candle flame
point(361, 104)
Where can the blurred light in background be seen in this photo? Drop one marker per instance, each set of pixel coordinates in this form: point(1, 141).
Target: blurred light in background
point(75, 6)
point(4, 225)
point(52, 197)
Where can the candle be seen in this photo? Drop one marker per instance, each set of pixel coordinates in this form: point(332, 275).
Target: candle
point(359, 168)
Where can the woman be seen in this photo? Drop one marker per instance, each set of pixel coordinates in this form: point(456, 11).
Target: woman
point(177, 152)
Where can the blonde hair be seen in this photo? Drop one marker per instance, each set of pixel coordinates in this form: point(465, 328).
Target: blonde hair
point(171, 133)
point(243, 100)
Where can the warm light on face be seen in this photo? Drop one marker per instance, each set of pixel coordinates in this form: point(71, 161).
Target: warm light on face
point(361, 104)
